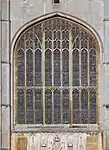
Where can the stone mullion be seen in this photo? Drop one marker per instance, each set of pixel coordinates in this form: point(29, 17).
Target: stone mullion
point(52, 81)
point(34, 88)
point(43, 76)
point(25, 82)
point(88, 83)
point(61, 75)
point(80, 81)
point(5, 82)
point(70, 77)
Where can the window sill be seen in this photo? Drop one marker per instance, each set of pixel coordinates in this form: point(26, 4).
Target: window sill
point(56, 128)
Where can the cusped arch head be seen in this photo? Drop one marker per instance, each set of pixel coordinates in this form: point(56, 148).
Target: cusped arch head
point(71, 18)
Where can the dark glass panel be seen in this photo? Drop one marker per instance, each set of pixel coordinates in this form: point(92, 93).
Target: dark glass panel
point(91, 43)
point(58, 35)
point(21, 107)
point(48, 107)
point(63, 25)
point(48, 44)
point(31, 34)
point(38, 107)
point(38, 63)
point(63, 35)
point(75, 68)
point(39, 34)
point(37, 43)
point(20, 68)
point(22, 42)
point(58, 44)
point(54, 35)
point(54, 24)
point(92, 106)
point(31, 44)
point(67, 35)
point(57, 75)
point(54, 44)
point(29, 107)
point(77, 43)
point(92, 68)
point(65, 68)
point(65, 106)
point(65, 44)
point(48, 68)
point(57, 112)
point(84, 106)
point(29, 68)
point(76, 107)
point(48, 34)
point(27, 44)
point(84, 44)
point(84, 68)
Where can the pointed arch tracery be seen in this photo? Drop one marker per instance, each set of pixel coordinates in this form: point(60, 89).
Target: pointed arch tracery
point(56, 74)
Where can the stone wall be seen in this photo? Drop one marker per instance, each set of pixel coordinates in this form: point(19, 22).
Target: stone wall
point(92, 12)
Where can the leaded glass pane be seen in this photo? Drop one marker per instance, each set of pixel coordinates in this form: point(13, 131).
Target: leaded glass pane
point(29, 68)
point(57, 75)
point(29, 107)
point(65, 68)
point(76, 106)
point(48, 68)
point(65, 106)
point(38, 107)
point(20, 68)
point(92, 103)
point(57, 109)
point(21, 107)
point(37, 43)
point(48, 107)
point(75, 68)
point(84, 106)
point(21, 42)
point(84, 68)
point(38, 63)
point(92, 67)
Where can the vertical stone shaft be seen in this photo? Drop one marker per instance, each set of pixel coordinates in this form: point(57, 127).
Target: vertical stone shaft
point(5, 74)
point(106, 69)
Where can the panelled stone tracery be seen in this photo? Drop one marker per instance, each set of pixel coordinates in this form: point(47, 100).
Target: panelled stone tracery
point(56, 74)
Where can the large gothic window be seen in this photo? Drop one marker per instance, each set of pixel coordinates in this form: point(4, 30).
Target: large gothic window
point(56, 74)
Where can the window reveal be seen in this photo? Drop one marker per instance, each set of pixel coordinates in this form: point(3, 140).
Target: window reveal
point(43, 64)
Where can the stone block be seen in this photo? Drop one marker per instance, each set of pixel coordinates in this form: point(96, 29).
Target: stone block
point(5, 127)
point(5, 83)
point(5, 41)
point(5, 9)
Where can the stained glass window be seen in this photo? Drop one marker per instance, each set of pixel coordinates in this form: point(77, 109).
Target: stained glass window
point(48, 68)
point(65, 106)
point(76, 106)
point(75, 68)
point(29, 68)
point(84, 68)
point(21, 107)
point(65, 68)
point(38, 64)
point(57, 73)
point(48, 107)
point(29, 107)
point(38, 107)
point(21, 68)
point(56, 76)
point(57, 107)
point(84, 106)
